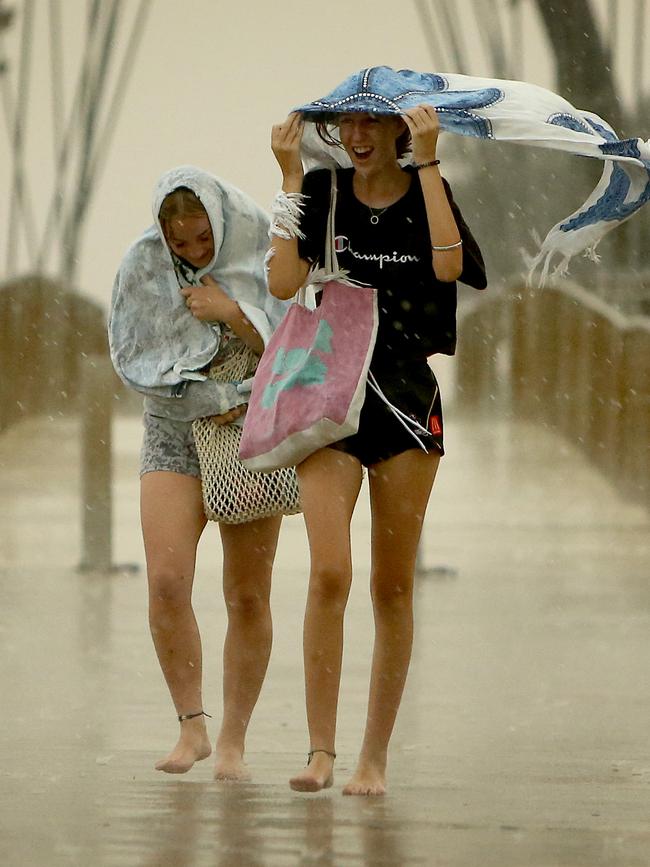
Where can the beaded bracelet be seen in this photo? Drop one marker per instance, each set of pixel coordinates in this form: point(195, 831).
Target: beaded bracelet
point(419, 166)
point(448, 246)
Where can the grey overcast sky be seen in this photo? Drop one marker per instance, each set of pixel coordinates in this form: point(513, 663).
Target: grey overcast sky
point(209, 80)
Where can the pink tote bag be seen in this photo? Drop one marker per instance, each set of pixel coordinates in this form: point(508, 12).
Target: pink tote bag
point(310, 384)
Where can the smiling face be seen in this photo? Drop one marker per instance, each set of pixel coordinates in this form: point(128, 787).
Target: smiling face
point(370, 139)
point(186, 227)
point(190, 238)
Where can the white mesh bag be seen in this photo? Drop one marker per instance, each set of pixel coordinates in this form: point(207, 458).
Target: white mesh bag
point(231, 493)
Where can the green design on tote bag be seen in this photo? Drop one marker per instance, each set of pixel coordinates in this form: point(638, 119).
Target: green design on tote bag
point(299, 366)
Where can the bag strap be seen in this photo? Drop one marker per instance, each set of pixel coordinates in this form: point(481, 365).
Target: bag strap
point(331, 262)
point(410, 424)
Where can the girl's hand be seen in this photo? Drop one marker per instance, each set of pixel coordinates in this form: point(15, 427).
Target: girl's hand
point(229, 416)
point(209, 302)
point(285, 144)
point(424, 127)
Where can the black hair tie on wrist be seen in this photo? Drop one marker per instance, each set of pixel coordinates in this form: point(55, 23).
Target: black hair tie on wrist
point(419, 166)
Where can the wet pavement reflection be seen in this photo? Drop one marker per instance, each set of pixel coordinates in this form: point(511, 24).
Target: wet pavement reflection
point(523, 736)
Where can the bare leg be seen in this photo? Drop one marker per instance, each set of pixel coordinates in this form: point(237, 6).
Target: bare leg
point(329, 486)
point(172, 516)
point(249, 550)
point(399, 492)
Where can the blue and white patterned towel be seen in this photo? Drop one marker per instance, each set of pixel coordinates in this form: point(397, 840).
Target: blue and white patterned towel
point(511, 111)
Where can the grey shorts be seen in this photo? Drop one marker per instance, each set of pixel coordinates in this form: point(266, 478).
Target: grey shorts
point(168, 446)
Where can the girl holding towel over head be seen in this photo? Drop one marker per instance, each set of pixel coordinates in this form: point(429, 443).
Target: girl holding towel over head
point(188, 291)
point(396, 229)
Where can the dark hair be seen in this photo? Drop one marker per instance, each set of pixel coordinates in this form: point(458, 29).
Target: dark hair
point(180, 202)
point(326, 122)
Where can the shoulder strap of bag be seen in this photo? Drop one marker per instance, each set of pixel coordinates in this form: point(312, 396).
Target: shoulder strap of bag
point(331, 262)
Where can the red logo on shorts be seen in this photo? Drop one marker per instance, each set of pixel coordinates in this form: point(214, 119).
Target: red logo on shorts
point(434, 425)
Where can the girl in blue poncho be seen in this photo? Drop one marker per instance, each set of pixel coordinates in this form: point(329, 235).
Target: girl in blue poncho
point(188, 290)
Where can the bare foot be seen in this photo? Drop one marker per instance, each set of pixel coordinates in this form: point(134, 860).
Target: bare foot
point(230, 766)
point(367, 780)
point(316, 776)
point(193, 745)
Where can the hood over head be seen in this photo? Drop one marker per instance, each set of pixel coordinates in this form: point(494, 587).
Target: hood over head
point(156, 344)
point(207, 192)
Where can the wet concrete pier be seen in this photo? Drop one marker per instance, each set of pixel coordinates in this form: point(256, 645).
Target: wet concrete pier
point(523, 739)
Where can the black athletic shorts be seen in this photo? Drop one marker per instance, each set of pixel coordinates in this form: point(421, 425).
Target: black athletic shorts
point(412, 388)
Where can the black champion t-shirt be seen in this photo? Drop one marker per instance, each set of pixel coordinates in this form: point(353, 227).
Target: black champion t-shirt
point(417, 312)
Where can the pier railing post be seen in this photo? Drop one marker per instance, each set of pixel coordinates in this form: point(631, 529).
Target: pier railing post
point(95, 401)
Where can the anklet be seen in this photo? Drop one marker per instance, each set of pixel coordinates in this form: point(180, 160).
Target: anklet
point(185, 716)
point(310, 754)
